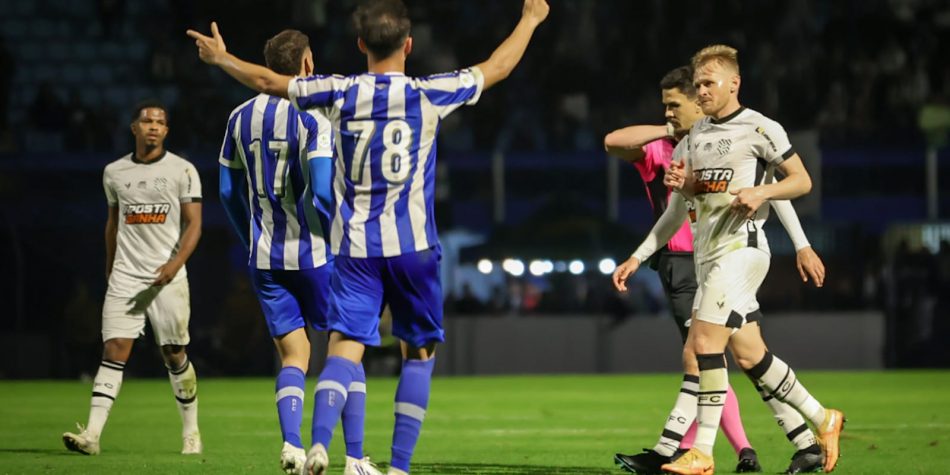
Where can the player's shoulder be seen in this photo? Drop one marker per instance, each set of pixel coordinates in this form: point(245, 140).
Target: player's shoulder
point(118, 164)
point(757, 119)
point(465, 77)
point(243, 106)
point(173, 159)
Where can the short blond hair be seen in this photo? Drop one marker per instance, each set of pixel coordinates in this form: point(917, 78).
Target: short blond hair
point(724, 55)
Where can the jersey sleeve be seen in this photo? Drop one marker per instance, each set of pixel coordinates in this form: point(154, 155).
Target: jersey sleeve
point(229, 146)
point(449, 91)
point(111, 197)
point(648, 166)
point(189, 185)
point(770, 142)
point(320, 141)
point(316, 91)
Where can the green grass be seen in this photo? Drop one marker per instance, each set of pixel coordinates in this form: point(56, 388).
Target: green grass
point(898, 423)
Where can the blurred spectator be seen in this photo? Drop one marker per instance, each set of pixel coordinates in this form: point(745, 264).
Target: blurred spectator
point(47, 113)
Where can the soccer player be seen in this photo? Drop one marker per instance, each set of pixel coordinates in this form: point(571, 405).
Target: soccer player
point(731, 158)
point(650, 148)
point(153, 226)
point(383, 229)
point(284, 157)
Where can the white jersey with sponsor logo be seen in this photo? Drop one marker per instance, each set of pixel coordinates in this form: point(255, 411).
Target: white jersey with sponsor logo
point(735, 152)
point(149, 198)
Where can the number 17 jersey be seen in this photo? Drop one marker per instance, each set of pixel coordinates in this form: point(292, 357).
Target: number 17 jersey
point(384, 176)
point(274, 144)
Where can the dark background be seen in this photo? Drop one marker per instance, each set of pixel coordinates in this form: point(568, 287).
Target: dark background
point(854, 76)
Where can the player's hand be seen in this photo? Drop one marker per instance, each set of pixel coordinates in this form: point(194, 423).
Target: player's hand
point(810, 265)
point(747, 201)
point(210, 49)
point(166, 272)
point(624, 271)
point(675, 175)
point(535, 10)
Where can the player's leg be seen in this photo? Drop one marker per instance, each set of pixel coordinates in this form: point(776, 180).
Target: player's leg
point(169, 315)
point(122, 323)
point(313, 292)
point(283, 312)
point(414, 293)
point(779, 380)
point(729, 285)
point(355, 303)
point(680, 286)
point(680, 272)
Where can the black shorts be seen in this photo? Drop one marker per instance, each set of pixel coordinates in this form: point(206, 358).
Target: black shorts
point(678, 276)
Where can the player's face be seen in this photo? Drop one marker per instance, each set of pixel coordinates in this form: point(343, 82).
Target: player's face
point(151, 127)
point(680, 110)
point(714, 86)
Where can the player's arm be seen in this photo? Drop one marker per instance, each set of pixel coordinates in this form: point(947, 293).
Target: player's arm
point(627, 143)
point(191, 218)
point(212, 50)
point(232, 189)
point(670, 221)
point(112, 231)
point(796, 183)
point(508, 54)
point(806, 259)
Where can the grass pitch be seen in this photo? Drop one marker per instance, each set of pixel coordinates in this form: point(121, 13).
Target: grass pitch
point(898, 423)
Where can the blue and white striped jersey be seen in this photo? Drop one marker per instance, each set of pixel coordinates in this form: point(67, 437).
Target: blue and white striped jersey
point(274, 143)
point(384, 178)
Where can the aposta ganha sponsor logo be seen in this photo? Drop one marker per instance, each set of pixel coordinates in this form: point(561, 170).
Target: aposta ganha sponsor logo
point(147, 213)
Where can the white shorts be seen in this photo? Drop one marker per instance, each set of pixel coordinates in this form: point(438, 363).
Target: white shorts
point(167, 307)
point(726, 287)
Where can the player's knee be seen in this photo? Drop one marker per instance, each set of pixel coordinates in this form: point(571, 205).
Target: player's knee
point(690, 366)
point(174, 355)
point(117, 349)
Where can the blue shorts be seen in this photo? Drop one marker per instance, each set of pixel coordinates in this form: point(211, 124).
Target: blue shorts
point(409, 283)
point(291, 299)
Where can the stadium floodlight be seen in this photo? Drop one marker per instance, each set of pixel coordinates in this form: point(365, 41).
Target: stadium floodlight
point(536, 268)
point(547, 266)
point(513, 266)
point(576, 267)
point(560, 266)
point(485, 266)
point(607, 266)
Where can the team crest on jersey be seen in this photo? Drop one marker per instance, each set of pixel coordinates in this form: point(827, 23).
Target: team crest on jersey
point(147, 213)
point(723, 146)
point(712, 180)
point(142, 185)
point(707, 147)
point(160, 184)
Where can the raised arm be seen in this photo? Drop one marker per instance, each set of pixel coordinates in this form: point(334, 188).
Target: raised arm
point(664, 229)
point(211, 50)
point(627, 143)
point(510, 51)
point(806, 259)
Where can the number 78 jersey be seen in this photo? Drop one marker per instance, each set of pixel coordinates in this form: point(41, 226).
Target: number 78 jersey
point(384, 176)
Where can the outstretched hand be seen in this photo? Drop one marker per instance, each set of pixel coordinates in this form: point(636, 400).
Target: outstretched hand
point(535, 10)
point(623, 272)
point(810, 265)
point(210, 49)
